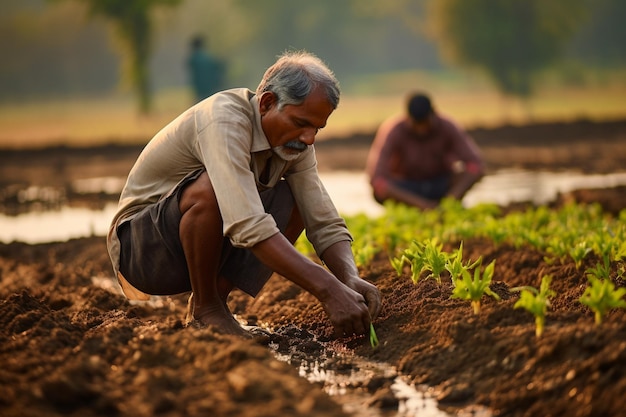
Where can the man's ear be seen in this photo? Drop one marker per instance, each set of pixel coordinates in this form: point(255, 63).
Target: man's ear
point(266, 101)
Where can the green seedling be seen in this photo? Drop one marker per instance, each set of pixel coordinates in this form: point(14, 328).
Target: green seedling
point(364, 254)
point(579, 252)
point(426, 256)
point(602, 296)
point(398, 264)
point(536, 302)
point(601, 271)
point(373, 337)
point(434, 259)
point(414, 256)
point(454, 264)
point(467, 288)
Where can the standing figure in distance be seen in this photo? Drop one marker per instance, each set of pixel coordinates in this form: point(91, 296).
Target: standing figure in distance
point(206, 71)
point(219, 196)
point(422, 157)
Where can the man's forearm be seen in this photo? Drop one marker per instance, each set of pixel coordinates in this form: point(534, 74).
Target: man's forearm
point(340, 261)
point(462, 183)
point(406, 197)
point(280, 255)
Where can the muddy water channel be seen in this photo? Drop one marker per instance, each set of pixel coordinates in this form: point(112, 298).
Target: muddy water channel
point(352, 386)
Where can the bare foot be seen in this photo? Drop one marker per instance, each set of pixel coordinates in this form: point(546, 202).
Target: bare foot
point(223, 322)
point(217, 316)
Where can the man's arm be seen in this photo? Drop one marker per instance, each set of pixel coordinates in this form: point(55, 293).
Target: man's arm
point(467, 163)
point(340, 260)
point(385, 190)
point(462, 182)
point(345, 307)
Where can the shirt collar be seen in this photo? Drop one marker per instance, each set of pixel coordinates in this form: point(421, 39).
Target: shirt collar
point(259, 140)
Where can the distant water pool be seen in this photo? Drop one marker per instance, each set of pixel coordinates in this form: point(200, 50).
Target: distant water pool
point(349, 190)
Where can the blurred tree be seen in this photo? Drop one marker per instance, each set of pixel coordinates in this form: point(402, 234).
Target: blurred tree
point(601, 41)
point(354, 37)
point(48, 52)
point(133, 22)
point(512, 40)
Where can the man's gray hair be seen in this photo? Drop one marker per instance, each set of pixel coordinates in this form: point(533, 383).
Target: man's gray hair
point(294, 75)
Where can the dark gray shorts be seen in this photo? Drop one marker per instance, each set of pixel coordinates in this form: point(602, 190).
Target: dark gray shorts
point(152, 257)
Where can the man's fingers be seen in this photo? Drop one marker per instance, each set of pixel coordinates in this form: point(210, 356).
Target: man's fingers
point(373, 303)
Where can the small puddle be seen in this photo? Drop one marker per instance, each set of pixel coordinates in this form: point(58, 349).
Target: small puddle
point(44, 214)
point(367, 388)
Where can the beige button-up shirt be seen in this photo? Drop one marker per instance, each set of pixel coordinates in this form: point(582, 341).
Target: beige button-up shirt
point(223, 134)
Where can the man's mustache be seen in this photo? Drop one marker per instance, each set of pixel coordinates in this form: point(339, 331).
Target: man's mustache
point(296, 145)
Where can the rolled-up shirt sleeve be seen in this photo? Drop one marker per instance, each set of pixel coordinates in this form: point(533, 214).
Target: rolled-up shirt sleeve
point(324, 226)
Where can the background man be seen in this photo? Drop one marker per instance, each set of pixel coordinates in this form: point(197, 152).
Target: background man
point(206, 71)
point(421, 157)
point(217, 198)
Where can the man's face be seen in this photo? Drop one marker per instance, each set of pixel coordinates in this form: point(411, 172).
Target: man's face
point(290, 130)
point(422, 128)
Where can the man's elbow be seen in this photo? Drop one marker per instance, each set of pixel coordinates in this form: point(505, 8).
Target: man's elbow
point(380, 190)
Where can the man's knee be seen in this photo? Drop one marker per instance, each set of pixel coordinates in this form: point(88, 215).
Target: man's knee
point(198, 194)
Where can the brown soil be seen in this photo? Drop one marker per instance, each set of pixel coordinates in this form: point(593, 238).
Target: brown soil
point(71, 345)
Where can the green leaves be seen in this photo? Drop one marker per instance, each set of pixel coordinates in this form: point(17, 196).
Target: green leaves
point(426, 256)
point(602, 296)
point(573, 233)
point(373, 338)
point(536, 302)
point(473, 287)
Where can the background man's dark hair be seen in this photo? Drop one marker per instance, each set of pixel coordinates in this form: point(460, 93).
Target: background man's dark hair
point(419, 106)
point(197, 42)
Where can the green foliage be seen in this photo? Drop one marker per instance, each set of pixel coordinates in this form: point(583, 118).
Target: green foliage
point(473, 288)
point(435, 259)
point(134, 26)
point(455, 265)
point(536, 301)
point(602, 296)
point(511, 40)
point(413, 256)
point(573, 233)
point(426, 256)
point(601, 271)
point(579, 252)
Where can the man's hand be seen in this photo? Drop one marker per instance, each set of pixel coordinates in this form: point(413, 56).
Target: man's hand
point(338, 258)
point(345, 297)
point(346, 310)
point(369, 292)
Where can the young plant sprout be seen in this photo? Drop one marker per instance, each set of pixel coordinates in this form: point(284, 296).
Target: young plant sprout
point(454, 264)
point(426, 256)
point(467, 288)
point(398, 264)
point(602, 296)
point(412, 256)
point(434, 259)
point(373, 337)
point(536, 302)
point(579, 252)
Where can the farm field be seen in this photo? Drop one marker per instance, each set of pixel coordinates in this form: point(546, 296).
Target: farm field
point(71, 345)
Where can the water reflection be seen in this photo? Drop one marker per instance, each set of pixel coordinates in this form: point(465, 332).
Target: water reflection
point(349, 190)
point(506, 187)
point(58, 225)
